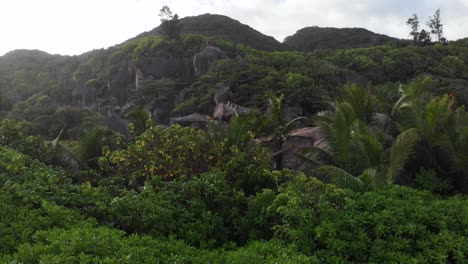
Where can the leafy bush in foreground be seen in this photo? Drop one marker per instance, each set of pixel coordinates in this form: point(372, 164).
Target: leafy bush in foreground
point(204, 218)
point(103, 245)
point(399, 224)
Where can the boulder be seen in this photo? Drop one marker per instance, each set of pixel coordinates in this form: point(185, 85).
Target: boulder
point(223, 95)
point(204, 59)
point(225, 111)
point(194, 120)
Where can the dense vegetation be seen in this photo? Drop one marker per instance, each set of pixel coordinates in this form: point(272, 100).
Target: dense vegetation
point(385, 179)
point(314, 38)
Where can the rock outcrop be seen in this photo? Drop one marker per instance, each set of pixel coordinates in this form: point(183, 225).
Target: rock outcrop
point(225, 111)
point(204, 59)
point(223, 95)
point(196, 120)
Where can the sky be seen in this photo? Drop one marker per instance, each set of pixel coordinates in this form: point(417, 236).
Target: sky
point(71, 27)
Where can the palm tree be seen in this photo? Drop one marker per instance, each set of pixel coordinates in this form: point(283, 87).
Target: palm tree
point(281, 125)
point(239, 129)
point(91, 144)
point(442, 135)
point(351, 152)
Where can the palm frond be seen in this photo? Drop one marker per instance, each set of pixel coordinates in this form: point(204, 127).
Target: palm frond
point(361, 101)
point(239, 127)
point(68, 159)
point(369, 179)
point(401, 151)
point(371, 148)
point(342, 178)
point(316, 155)
point(92, 142)
point(65, 157)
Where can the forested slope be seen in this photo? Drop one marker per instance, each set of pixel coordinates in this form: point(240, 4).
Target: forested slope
point(214, 147)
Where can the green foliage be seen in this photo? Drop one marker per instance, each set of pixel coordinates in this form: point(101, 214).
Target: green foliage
point(428, 180)
point(396, 64)
point(17, 135)
point(204, 211)
point(310, 39)
point(300, 205)
point(19, 223)
point(180, 195)
point(90, 244)
point(395, 224)
point(38, 104)
point(171, 153)
point(240, 130)
point(140, 119)
point(351, 144)
point(157, 88)
point(441, 136)
point(91, 144)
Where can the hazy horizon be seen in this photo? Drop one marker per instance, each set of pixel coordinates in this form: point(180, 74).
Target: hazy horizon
point(74, 27)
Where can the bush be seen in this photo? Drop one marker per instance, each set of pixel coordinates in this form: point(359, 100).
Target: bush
point(31, 183)
point(399, 224)
point(170, 153)
point(89, 244)
point(18, 223)
point(205, 211)
point(17, 135)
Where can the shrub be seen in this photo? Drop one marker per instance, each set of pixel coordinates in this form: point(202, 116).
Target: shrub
point(170, 153)
point(88, 244)
point(17, 135)
point(399, 224)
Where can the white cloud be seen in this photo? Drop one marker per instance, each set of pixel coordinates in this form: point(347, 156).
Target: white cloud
point(76, 26)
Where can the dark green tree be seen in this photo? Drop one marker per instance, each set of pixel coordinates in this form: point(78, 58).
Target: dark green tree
point(424, 38)
point(170, 23)
point(413, 22)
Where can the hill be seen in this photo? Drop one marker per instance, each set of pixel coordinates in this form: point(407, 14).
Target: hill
point(312, 38)
point(225, 27)
point(198, 149)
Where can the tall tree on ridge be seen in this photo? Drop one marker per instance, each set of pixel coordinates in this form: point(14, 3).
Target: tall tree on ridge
point(170, 23)
point(436, 26)
point(413, 22)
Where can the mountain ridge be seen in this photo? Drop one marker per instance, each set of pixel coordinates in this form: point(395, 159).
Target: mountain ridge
point(314, 37)
point(216, 25)
point(223, 26)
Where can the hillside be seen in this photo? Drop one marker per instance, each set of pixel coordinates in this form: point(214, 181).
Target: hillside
point(225, 27)
point(219, 146)
point(313, 38)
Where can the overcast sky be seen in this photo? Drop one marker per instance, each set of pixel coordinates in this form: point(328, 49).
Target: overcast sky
point(76, 26)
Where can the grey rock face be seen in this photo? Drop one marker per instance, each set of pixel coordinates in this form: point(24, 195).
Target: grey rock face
point(203, 60)
point(195, 120)
point(224, 111)
point(223, 95)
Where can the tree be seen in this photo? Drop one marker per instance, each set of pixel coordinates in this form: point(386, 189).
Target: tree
point(424, 38)
point(413, 22)
point(436, 26)
point(170, 23)
point(281, 126)
point(352, 150)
